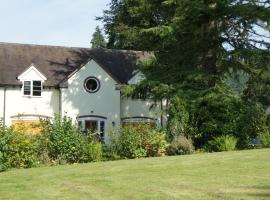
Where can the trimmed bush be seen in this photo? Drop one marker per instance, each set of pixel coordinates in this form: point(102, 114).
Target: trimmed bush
point(222, 143)
point(180, 145)
point(137, 141)
point(265, 139)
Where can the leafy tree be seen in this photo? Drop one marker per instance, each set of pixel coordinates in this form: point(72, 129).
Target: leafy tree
point(98, 40)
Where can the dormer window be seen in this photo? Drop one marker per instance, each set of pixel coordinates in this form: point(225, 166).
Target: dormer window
point(32, 81)
point(32, 88)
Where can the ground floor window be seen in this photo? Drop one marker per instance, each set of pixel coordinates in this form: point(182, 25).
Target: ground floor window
point(93, 124)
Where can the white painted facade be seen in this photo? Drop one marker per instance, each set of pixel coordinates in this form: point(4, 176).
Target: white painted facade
point(105, 105)
point(17, 104)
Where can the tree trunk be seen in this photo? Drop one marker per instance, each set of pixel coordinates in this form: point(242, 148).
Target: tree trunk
point(209, 62)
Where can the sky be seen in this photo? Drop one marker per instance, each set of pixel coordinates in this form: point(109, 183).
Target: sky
point(50, 22)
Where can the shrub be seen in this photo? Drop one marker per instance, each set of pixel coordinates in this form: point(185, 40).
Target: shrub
point(252, 123)
point(65, 141)
point(180, 145)
point(265, 139)
point(137, 141)
point(23, 150)
point(93, 152)
point(4, 147)
point(155, 142)
point(222, 143)
point(18, 149)
point(178, 120)
point(110, 153)
point(127, 142)
point(215, 114)
point(43, 140)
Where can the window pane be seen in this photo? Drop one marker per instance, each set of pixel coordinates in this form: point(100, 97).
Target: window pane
point(37, 88)
point(102, 130)
point(26, 92)
point(91, 126)
point(36, 93)
point(37, 83)
point(27, 88)
point(27, 83)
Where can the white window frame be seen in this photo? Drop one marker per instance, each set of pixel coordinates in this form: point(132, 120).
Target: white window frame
point(31, 88)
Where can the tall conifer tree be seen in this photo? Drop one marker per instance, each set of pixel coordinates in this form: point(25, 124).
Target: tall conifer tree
point(98, 40)
point(194, 42)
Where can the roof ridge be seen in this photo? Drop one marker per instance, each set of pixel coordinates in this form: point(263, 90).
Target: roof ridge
point(67, 47)
point(41, 45)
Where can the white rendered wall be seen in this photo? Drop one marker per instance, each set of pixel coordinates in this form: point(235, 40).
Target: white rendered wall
point(139, 108)
point(16, 103)
point(1, 102)
point(76, 101)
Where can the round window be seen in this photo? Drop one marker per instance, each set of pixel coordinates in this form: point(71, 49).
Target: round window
point(91, 84)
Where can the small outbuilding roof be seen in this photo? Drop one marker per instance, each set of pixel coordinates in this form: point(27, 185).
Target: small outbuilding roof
point(57, 63)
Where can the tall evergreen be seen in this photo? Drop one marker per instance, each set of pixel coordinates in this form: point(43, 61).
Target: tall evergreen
point(98, 40)
point(195, 42)
point(211, 63)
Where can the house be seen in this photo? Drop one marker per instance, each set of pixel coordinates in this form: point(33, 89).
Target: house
point(39, 81)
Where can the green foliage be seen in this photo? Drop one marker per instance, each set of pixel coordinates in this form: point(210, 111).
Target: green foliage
point(194, 41)
point(178, 120)
point(252, 123)
point(65, 141)
point(137, 141)
point(265, 139)
point(93, 151)
point(23, 150)
point(215, 114)
point(199, 46)
point(180, 145)
point(98, 40)
point(5, 138)
point(222, 143)
point(18, 149)
point(236, 81)
point(127, 143)
point(59, 142)
point(43, 141)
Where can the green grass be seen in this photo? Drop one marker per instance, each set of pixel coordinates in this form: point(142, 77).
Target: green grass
point(230, 175)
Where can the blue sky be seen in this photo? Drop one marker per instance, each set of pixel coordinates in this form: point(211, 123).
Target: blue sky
point(50, 22)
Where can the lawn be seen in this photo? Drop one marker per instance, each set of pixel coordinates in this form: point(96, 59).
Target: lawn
point(229, 175)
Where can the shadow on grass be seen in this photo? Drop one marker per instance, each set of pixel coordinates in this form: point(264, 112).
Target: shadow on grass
point(257, 192)
point(263, 192)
